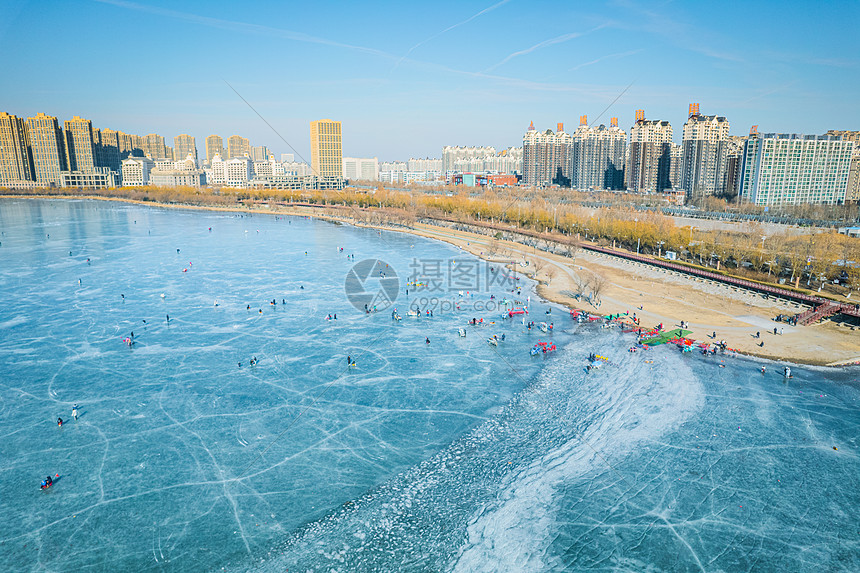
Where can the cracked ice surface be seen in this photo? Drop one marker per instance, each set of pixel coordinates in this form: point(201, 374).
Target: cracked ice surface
point(408, 462)
point(676, 465)
point(148, 473)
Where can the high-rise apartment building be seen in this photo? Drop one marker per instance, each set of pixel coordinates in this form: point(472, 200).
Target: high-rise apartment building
point(129, 145)
point(183, 146)
point(852, 194)
point(47, 146)
point(326, 153)
point(650, 155)
point(80, 147)
point(597, 156)
point(704, 154)
point(259, 153)
point(238, 146)
point(795, 169)
point(546, 157)
point(214, 146)
point(734, 159)
point(676, 154)
point(155, 148)
point(106, 142)
point(16, 164)
point(138, 144)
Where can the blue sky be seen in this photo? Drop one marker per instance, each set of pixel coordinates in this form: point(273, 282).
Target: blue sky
point(407, 79)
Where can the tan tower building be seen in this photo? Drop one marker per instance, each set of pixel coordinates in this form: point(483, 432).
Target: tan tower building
point(107, 149)
point(214, 146)
point(48, 148)
point(80, 147)
point(238, 146)
point(15, 161)
point(327, 153)
point(155, 148)
point(183, 145)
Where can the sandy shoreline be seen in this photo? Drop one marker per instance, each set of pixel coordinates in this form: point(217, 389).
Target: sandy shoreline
point(666, 297)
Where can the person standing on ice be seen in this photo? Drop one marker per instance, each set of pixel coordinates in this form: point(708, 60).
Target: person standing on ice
point(75, 412)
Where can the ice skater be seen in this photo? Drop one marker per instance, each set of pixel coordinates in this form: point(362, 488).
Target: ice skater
point(60, 422)
point(75, 412)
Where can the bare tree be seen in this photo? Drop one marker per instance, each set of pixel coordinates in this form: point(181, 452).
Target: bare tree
point(550, 274)
point(538, 265)
point(581, 283)
point(571, 246)
point(598, 284)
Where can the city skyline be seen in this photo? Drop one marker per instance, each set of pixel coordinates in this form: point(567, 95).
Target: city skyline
point(460, 74)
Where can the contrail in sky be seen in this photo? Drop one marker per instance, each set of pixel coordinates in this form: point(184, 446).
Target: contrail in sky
point(544, 44)
point(449, 28)
point(769, 92)
point(607, 57)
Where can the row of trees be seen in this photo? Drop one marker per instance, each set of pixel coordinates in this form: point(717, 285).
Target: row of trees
point(550, 214)
point(620, 199)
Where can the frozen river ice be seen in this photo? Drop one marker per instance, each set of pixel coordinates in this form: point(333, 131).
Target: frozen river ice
point(448, 456)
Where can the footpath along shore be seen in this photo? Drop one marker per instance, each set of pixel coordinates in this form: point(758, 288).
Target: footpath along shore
point(666, 297)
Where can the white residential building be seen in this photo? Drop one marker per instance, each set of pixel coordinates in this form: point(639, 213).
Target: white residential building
point(704, 154)
point(795, 169)
point(178, 173)
point(507, 161)
point(361, 168)
point(178, 178)
point(546, 155)
point(238, 171)
point(597, 156)
point(393, 166)
point(95, 178)
point(450, 154)
point(217, 172)
point(263, 169)
point(649, 155)
point(135, 171)
point(426, 164)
